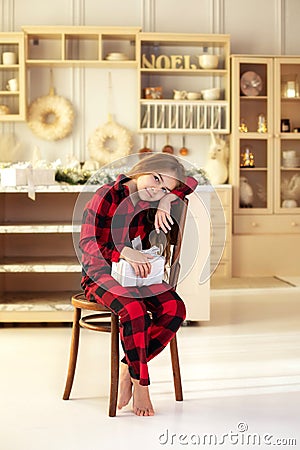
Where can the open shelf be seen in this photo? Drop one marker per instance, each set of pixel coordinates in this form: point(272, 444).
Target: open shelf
point(82, 46)
point(12, 101)
point(170, 62)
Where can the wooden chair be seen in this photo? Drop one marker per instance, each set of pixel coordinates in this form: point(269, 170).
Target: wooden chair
point(95, 322)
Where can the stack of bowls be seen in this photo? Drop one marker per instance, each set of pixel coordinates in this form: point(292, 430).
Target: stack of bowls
point(211, 94)
point(193, 95)
point(208, 61)
point(290, 158)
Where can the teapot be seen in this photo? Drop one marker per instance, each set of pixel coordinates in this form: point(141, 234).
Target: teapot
point(179, 95)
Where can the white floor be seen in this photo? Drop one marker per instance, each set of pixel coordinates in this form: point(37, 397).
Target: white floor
point(240, 371)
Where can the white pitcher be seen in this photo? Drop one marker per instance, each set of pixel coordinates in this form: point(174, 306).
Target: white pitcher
point(179, 95)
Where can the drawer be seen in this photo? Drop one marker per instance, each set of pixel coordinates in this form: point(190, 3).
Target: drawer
point(221, 235)
point(219, 215)
point(224, 195)
point(216, 251)
point(222, 271)
point(199, 204)
point(271, 224)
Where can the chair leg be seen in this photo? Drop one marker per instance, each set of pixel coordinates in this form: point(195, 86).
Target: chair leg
point(73, 353)
point(114, 365)
point(176, 369)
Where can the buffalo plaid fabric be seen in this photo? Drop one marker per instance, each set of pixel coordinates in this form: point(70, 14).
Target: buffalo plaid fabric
point(110, 222)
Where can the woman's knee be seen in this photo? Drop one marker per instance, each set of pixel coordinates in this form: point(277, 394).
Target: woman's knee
point(181, 310)
point(175, 308)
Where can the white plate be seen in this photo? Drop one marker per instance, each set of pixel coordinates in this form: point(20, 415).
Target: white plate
point(116, 57)
point(251, 84)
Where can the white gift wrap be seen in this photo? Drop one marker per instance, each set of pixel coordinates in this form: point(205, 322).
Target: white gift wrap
point(123, 272)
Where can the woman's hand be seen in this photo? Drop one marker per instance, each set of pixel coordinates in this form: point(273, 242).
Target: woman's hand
point(163, 217)
point(138, 261)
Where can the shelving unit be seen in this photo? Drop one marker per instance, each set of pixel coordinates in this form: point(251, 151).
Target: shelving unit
point(83, 46)
point(265, 227)
point(171, 61)
point(271, 169)
point(287, 154)
point(80, 46)
point(12, 100)
point(39, 268)
point(253, 184)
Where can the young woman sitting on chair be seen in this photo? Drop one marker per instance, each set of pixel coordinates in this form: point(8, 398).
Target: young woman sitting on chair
point(136, 204)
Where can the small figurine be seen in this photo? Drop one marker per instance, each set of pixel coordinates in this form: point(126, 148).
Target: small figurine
point(290, 188)
point(247, 157)
point(217, 165)
point(246, 193)
point(262, 124)
point(243, 127)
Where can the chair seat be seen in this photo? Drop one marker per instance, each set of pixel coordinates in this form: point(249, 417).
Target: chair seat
point(91, 321)
point(79, 301)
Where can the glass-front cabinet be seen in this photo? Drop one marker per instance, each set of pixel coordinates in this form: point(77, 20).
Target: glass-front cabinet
point(287, 133)
point(265, 144)
point(252, 134)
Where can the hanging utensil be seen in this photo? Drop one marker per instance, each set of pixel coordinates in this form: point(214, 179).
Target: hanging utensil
point(168, 148)
point(183, 151)
point(145, 148)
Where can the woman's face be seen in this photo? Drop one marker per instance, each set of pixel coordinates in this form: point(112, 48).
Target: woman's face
point(153, 186)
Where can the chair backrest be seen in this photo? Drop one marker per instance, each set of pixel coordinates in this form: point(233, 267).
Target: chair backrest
point(179, 212)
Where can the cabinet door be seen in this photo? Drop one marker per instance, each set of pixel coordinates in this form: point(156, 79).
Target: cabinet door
point(287, 133)
point(252, 134)
point(12, 78)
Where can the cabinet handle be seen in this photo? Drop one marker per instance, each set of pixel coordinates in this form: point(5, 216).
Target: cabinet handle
point(294, 224)
point(254, 224)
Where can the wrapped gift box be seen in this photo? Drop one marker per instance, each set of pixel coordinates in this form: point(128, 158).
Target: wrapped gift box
point(23, 176)
point(123, 272)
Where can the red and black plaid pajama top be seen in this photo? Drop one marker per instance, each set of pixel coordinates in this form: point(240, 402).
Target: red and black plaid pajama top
point(110, 222)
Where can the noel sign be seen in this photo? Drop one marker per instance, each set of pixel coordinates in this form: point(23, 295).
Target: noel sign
point(168, 62)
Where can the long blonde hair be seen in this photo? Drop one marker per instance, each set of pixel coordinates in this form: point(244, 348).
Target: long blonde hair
point(161, 163)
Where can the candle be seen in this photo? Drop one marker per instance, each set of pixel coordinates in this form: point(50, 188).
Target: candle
point(291, 89)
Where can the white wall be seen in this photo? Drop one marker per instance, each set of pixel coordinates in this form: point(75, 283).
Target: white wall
point(255, 26)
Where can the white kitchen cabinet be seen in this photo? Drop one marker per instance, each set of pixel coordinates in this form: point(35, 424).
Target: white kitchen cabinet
point(194, 280)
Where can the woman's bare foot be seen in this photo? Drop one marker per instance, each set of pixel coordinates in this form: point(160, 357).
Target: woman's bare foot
point(142, 405)
point(125, 386)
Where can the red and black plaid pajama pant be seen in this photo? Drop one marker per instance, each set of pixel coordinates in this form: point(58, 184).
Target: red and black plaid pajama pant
point(143, 335)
